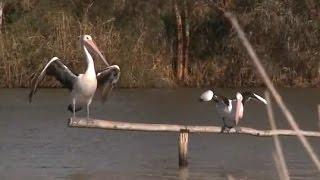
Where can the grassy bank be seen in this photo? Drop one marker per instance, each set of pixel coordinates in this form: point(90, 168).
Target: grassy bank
point(139, 36)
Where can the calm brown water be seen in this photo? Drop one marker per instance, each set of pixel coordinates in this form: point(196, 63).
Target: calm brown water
point(35, 142)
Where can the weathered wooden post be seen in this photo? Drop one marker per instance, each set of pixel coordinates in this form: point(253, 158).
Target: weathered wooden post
point(183, 148)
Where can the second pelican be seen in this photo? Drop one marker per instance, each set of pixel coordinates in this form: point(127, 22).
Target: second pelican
point(230, 110)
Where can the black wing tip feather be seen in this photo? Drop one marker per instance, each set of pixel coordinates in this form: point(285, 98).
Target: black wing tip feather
point(248, 95)
point(35, 82)
point(57, 69)
point(70, 108)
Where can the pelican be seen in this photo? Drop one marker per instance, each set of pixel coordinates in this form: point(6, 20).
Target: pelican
point(230, 110)
point(82, 86)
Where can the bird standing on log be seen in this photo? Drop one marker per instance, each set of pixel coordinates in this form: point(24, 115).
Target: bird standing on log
point(230, 110)
point(82, 86)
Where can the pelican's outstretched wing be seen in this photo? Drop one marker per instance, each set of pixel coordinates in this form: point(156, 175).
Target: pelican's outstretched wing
point(57, 69)
point(247, 96)
point(107, 79)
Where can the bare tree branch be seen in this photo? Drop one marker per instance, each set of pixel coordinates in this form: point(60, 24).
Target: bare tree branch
point(1, 14)
point(283, 169)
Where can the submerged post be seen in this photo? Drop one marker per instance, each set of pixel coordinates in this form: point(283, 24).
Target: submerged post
point(183, 147)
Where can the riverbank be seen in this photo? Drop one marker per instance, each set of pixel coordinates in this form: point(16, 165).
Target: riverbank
point(140, 37)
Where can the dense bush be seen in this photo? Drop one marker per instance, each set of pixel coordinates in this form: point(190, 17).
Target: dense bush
point(139, 36)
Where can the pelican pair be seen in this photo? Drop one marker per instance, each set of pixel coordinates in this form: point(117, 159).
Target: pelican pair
point(230, 110)
point(83, 86)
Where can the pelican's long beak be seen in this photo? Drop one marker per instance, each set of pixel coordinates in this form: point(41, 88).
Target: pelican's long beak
point(96, 50)
point(238, 114)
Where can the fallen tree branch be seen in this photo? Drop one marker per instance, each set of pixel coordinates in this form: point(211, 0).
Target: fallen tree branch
point(117, 125)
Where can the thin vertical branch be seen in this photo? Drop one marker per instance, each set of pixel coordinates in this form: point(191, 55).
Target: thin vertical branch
point(1, 14)
point(319, 114)
point(186, 40)
point(283, 169)
point(278, 166)
point(179, 58)
point(86, 15)
point(272, 89)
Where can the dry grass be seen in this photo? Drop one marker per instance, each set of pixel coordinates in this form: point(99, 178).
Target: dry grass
point(140, 38)
point(23, 56)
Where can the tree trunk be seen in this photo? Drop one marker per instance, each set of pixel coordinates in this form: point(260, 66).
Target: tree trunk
point(179, 54)
point(186, 40)
point(1, 14)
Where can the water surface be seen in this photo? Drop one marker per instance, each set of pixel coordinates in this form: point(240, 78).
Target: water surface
point(36, 143)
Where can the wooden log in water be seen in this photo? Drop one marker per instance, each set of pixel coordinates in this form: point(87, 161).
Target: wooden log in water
point(183, 130)
point(118, 125)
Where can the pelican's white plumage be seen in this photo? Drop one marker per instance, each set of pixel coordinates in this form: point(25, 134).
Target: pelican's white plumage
point(82, 86)
point(207, 95)
point(230, 110)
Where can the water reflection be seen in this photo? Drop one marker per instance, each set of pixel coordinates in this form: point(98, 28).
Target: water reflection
point(183, 173)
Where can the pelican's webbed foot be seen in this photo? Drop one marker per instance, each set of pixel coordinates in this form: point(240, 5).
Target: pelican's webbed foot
point(225, 129)
point(238, 129)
